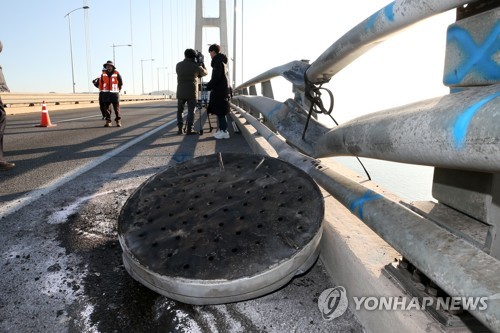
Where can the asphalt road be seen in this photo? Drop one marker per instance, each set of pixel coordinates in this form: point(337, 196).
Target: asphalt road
point(60, 260)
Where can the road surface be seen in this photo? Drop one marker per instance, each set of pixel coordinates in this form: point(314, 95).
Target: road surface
point(61, 264)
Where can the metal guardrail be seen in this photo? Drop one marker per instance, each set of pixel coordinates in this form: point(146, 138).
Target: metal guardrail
point(430, 132)
point(442, 132)
point(460, 267)
point(394, 18)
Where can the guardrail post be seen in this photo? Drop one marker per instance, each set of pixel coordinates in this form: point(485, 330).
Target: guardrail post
point(253, 91)
point(267, 89)
point(469, 62)
point(476, 194)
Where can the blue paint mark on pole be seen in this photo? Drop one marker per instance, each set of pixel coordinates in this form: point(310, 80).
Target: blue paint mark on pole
point(273, 111)
point(478, 58)
point(388, 12)
point(358, 204)
point(371, 21)
point(461, 125)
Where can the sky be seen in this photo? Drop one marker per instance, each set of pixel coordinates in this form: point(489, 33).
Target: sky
point(37, 56)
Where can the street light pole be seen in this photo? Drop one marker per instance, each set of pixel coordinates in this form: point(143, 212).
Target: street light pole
point(113, 46)
point(234, 46)
point(168, 80)
point(71, 45)
point(142, 72)
point(158, 74)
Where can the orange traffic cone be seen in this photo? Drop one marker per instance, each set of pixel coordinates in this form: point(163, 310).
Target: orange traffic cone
point(45, 121)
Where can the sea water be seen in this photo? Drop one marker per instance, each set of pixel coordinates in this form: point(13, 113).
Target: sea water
point(407, 181)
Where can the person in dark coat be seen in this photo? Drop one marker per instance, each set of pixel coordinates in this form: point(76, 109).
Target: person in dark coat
point(219, 90)
point(188, 72)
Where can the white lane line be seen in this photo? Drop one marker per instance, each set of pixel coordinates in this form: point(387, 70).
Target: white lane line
point(12, 206)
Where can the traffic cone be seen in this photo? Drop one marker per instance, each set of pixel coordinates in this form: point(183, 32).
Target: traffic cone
point(45, 121)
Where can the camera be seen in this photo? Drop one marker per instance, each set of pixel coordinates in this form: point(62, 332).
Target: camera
point(199, 58)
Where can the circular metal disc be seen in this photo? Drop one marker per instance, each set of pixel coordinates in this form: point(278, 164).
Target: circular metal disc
point(222, 228)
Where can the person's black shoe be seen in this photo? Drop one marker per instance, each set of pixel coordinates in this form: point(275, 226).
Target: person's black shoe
point(5, 166)
point(191, 132)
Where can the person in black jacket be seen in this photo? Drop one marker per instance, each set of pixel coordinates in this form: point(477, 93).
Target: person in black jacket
point(219, 90)
point(188, 72)
point(4, 165)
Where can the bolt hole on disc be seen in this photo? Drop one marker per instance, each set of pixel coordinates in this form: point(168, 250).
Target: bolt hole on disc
point(221, 228)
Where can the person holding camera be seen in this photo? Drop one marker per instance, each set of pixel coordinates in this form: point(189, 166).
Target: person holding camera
point(219, 90)
point(188, 72)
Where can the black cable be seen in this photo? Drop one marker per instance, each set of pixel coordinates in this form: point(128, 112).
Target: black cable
point(362, 165)
point(313, 94)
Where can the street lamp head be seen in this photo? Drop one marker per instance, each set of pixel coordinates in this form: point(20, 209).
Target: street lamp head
point(84, 7)
point(114, 45)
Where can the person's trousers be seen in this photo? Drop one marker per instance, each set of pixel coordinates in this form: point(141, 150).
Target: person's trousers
point(108, 99)
point(222, 122)
point(191, 104)
point(102, 103)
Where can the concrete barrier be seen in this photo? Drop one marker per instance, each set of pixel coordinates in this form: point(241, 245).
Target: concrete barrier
point(16, 103)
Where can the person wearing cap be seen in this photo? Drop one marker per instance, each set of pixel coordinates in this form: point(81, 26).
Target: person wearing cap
point(188, 72)
point(4, 165)
point(219, 90)
point(110, 84)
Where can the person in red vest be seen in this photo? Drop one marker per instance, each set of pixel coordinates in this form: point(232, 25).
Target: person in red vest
point(4, 165)
point(110, 84)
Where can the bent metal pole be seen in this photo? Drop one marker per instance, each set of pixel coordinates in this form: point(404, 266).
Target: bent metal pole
point(393, 18)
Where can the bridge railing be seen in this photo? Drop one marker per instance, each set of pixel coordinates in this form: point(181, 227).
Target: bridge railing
point(458, 134)
point(17, 100)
